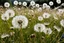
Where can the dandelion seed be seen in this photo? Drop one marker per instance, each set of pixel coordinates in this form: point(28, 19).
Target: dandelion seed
point(5, 17)
point(37, 5)
point(10, 12)
point(51, 3)
point(24, 3)
point(15, 2)
point(6, 4)
point(44, 5)
point(20, 21)
point(40, 18)
point(39, 27)
point(47, 31)
point(46, 15)
point(58, 1)
point(32, 3)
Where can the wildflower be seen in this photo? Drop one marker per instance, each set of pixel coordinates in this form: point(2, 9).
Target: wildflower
point(51, 3)
point(10, 12)
point(24, 3)
point(15, 2)
point(44, 5)
point(46, 15)
point(47, 31)
point(5, 17)
point(20, 21)
point(37, 5)
point(6, 4)
point(58, 1)
point(39, 27)
point(32, 3)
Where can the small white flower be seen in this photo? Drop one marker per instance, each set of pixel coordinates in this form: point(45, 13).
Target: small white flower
point(20, 21)
point(47, 31)
point(39, 27)
point(46, 15)
point(51, 3)
point(19, 3)
point(40, 18)
point(24, 3)
point(57, 28)
point(37, 5)
point(4, 17)
point(4, 35)
point(58, 1)
point(10, 12)
point(6, 4)
point(32, 3)
point(62, 23)
point(44, 5)
point(15, 2)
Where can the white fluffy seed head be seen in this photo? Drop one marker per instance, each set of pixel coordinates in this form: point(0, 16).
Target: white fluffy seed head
point(44, 5)
point(32, 3)
point(5, 17)
point(37, 5)
point(46, 15)
point(39, 27)
point(10, 12)
point(6, 4)
point(19, 3)
point(51, 3)
point(40, 18)
point(58, 1)
point(15, 2)
point(20, 21)
point(24, 3)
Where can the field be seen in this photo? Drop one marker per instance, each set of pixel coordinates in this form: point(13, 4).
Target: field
point(28, 34)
